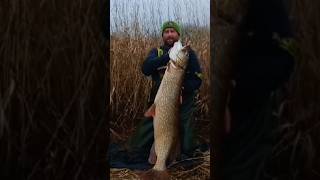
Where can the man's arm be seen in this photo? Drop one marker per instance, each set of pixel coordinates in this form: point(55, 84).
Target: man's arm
point(193, 77)
point(152, 62)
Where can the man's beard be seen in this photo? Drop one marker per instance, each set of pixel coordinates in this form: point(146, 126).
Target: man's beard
point(170, 42)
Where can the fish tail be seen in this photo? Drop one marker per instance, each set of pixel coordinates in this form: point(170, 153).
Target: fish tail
point(152, 156)
point(154, 175)
point(175, 153)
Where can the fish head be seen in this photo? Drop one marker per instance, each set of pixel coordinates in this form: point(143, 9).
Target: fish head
point(179, 53)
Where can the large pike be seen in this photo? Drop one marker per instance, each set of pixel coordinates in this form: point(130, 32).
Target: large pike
point(165, 112)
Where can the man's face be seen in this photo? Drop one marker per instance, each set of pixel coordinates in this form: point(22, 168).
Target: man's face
point(170, 36)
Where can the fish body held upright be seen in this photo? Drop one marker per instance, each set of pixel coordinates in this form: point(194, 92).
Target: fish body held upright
point(165, 112)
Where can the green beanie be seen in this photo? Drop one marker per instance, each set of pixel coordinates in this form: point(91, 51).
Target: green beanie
point(171, 24)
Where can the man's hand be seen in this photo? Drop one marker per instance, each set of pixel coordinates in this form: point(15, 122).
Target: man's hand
point(187, 45)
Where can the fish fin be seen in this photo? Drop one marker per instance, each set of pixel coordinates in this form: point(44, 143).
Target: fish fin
point(152, 156)
point(151, 112)
point(175, 153)
point(154, 175)
point(169, 67)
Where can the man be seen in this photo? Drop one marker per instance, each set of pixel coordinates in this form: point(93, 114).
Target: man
point(154, 66)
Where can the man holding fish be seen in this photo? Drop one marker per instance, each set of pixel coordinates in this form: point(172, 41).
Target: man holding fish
point(154, 67)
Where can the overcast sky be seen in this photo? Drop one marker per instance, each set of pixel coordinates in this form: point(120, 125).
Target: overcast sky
point(153, 13)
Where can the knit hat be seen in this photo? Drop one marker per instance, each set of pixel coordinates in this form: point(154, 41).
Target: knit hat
point(171, 24)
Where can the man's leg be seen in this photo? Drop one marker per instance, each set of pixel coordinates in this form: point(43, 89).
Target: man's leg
point(142, 139)
point(187, 134)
